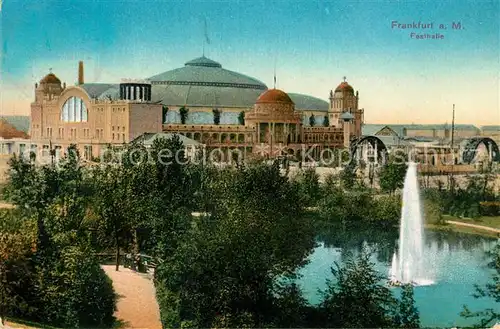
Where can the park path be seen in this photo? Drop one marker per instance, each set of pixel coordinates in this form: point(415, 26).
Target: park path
point(4, 205)
point(481, 227)
point(136, 306)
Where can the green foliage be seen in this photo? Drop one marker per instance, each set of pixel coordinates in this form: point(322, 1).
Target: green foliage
point(57, 281)
point(183, 111)
point(244, 245)
point(490, 208)
point(75, 292)
point(345, 208)
point(217, 114)
point(326, 121)
point(17, 243)
point(241, 118)
point(312, 120)
point(392, 175)
point(489, 316)
point(164, 112)
point(468, 201)
point(308, 184)
point(357, 206)
point(357, 298)
point(408, 315)
point(433, 212)
point(292, 308)
point(347, 177)
point(385, 210)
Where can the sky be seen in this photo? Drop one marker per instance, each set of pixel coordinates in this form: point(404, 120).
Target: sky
point(312, 44)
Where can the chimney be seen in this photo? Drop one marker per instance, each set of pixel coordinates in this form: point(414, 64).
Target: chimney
point(80, 73)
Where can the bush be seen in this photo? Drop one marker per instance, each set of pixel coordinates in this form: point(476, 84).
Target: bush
point(386, 210)
point(346, 207)
point(76, 292)
point(489, 208)
point(433, 212)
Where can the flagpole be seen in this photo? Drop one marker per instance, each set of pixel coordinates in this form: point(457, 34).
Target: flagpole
point(275, 73)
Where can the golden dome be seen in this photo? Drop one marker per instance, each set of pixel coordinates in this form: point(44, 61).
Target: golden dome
point(344, 86)
point(274, 96)
point(50, 78)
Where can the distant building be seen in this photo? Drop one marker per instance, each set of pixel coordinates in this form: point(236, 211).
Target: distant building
point(219, 108)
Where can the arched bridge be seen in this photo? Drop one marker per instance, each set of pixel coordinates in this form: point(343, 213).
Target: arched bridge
point(470, 149)
point(376, 143)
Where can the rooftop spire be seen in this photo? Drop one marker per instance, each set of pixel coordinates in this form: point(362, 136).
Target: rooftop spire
point(275, 73)
point(206, 40)
point(345, 78)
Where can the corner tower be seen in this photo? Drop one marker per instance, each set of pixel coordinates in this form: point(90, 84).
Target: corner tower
point(343, 100)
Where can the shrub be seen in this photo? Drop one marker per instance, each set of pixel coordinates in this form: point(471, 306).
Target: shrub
point(76, 292)
point(433, 213)
point(489, 208)
point(386, 210)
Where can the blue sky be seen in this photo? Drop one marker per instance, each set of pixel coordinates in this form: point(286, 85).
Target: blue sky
point(313, 43)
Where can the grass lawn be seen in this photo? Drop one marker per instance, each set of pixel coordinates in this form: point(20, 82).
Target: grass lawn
point(22, 324)
point(483, 221)
point(461, 229)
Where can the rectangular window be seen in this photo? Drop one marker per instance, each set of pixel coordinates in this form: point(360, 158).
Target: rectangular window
point(113, 137)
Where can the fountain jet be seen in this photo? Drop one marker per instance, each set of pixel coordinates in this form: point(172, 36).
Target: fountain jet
point(408, 262)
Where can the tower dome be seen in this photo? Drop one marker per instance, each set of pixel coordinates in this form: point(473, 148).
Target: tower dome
point(273, 96)
point(50, 78)
point(344, 86)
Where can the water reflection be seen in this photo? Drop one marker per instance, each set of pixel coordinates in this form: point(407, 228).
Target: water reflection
point(456, 261)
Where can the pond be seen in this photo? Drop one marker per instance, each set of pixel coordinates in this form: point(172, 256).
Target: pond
point(454, 261)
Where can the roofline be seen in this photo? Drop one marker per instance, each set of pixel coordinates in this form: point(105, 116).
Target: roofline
point(210, 84)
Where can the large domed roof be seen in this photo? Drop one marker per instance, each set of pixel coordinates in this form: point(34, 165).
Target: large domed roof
point(308, 103)
point(204, 82)
point(274, 96)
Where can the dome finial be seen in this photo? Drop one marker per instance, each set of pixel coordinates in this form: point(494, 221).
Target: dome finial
point(345, 78)
point(50, 70)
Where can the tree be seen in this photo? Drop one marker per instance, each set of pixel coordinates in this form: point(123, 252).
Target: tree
point(217, 114)
point(308, 183)
point(17, 241)
point(490, 316)
point(164, 112)
point(224, 270)
point(183, 111)
point(347, 177)
point(110, 208)
point(312, 120)
point(326, 121)
point(408, 316)
point(58, 281)
point(357, 298)
point(241, 118)
point(392, 176)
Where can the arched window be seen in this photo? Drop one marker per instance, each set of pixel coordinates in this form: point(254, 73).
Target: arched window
point(74, 110)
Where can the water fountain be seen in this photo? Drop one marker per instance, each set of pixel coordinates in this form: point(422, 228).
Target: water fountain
point(408, 262)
